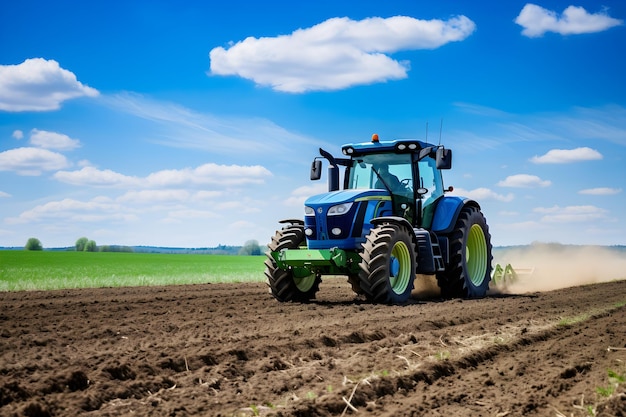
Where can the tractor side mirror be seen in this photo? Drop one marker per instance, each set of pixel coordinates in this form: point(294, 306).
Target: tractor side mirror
point(444, 158)
point(316, 170)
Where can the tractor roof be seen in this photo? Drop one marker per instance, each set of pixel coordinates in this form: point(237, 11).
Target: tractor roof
point(376, 146)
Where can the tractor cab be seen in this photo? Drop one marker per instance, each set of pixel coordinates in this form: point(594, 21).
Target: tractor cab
point(413, 184)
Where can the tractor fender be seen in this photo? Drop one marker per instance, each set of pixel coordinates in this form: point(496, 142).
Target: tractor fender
point(392, 219)
point(447, 213)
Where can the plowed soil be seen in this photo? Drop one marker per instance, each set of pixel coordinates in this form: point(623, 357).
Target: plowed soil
point(232, 350)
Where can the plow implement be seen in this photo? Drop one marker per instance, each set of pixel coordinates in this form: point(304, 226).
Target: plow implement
point(508, 275)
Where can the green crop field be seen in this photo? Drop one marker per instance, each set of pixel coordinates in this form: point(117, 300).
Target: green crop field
point(43, 270)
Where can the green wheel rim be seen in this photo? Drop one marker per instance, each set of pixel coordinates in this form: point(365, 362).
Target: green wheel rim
point(400, 268)
point(303, 279)
point(476, 255)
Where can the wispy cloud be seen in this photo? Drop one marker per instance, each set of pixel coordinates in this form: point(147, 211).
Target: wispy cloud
point(600, 191)
point(180, 126)
point(70, 210)
point(207, 174)
point(483, 194)
point(570, 214)
point(536, 21)
point(565, 156)
point(38, 84)
point(524, 181)
point(495, 127)
point(337, 53)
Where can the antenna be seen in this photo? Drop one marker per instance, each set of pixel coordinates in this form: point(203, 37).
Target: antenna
point(426, 132)
point(440, 129)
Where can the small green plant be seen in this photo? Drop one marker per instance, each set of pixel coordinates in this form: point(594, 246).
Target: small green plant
point(443, 355)
point(615, 380)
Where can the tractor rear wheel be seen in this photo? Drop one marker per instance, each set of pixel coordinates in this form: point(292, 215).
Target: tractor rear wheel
point(296, 284)
point(388, 264)
point(468, 273)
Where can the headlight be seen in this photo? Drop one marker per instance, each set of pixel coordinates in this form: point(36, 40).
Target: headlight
point(339, 209)
point(308, 211)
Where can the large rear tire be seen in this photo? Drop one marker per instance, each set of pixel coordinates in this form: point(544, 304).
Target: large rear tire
point(468, 273)
point(296, 285)
point(388, 264)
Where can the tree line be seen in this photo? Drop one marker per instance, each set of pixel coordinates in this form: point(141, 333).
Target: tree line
point(251, 247)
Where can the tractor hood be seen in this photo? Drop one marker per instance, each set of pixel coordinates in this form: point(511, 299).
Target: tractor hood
point(342, 218)
point(345, 196)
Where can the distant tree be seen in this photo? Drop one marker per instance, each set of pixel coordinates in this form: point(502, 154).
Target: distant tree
point(33, 244)
point(81, 243)
point(91, 246)
point(251, 247)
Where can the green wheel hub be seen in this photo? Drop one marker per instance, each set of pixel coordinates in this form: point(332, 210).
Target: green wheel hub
point(303, 279)
point(400, 273)
point(476, 254)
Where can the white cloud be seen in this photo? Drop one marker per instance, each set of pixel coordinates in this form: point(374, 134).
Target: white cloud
point(337, 53)
point(524, 181)
point(18, 134)
point(483, 194)
point(96, 177)
point(564, 156)
point(570, 214)
point(574, 20)
point(300, 194)
point(186, 214)
point(70, 210)
point(31, 161)
point(4, 195)
point(38, 84)
point(53, 140)
point(155, 196)
point(207, 174)
point(601, 191)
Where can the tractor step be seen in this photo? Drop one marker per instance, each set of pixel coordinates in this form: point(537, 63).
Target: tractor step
point(429, 254)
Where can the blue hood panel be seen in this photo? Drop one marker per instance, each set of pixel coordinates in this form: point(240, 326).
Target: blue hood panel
point(343, 196)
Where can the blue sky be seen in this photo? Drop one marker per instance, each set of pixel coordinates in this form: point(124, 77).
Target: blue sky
point(194, 123)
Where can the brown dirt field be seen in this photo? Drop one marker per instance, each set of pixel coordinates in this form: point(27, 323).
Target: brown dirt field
point(232, 350)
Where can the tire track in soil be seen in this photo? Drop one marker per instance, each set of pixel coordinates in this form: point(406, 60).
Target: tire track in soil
point(224, 350)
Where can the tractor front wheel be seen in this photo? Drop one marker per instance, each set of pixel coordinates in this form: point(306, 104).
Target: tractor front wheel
point(388, 264)
point(296, 284)
point(468, 273)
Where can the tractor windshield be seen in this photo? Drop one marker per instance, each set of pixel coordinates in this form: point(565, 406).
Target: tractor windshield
point(391, 172)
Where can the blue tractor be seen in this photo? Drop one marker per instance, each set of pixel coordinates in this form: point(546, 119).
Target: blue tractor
point(388, 222)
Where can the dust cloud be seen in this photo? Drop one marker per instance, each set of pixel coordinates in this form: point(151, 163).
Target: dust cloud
point(545, 267)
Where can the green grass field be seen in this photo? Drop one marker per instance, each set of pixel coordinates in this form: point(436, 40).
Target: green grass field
point(34, 270)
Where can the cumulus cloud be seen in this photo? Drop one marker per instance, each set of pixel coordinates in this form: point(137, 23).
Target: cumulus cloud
point(565, 156)
point(601, 191)
point(31, 161)
point(207, 174)
point(38, 84)
point(524, 181)
point(570, 214)
point(18, 134)
point(53, 140)
point(483, 194)
point(337, 53)
point(574, 20)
